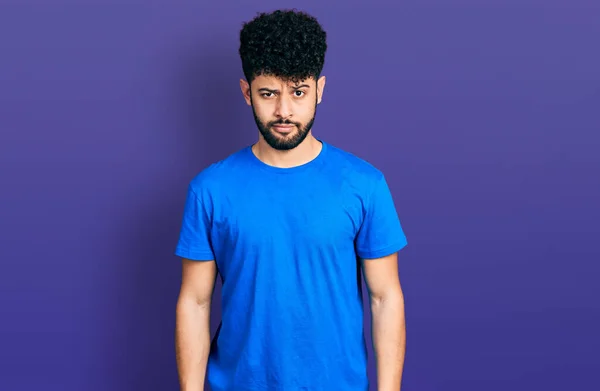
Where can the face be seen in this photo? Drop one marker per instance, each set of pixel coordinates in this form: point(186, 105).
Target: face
point(284, 111)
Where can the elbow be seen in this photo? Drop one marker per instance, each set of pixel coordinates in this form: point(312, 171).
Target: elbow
point(192, 302)
point(392, 297)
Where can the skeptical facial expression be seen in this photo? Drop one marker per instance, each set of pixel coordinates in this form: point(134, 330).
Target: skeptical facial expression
point(284, 111)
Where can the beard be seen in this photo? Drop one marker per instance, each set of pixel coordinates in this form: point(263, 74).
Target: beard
point(289, 141)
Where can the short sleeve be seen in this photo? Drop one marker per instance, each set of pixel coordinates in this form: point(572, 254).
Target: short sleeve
point(194, 237)
point(381, 232)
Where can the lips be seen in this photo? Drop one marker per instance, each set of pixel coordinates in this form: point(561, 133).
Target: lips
point(283, 128)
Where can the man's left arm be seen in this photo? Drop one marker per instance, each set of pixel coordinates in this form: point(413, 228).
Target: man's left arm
point(378, 242)
point(388, 320)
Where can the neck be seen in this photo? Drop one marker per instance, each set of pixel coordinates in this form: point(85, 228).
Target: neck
point(306, 151)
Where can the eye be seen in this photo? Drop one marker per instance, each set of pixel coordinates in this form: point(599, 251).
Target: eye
point(266, 94)
point(299, 93)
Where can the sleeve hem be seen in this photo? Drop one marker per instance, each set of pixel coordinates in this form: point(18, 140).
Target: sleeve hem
point(194, 255)
point(372, 254)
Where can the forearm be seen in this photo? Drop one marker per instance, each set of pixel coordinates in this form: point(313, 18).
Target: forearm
point(389, 339)
point(192, 343)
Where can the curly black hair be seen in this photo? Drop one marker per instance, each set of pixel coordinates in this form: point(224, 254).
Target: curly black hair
point(288, 44)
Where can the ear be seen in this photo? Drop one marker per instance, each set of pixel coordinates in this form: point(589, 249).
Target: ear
point(245, 87)
point(320, 88)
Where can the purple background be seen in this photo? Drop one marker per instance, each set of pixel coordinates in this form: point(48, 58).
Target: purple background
point(484, 117)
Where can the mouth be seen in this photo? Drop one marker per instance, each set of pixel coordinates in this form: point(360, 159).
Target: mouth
point(283, 128)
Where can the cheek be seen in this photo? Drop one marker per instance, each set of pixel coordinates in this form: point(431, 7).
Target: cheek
point(305, 111)
point(261, 111)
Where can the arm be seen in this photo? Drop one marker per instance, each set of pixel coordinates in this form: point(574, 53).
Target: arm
point(192, 335)
point(388, 322)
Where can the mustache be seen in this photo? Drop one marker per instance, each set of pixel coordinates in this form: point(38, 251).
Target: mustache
point(283, 122)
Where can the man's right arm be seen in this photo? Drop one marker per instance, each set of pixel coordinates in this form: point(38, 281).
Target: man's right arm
point(192, 335)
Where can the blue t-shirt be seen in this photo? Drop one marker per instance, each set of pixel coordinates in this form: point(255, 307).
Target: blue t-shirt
point(288, 243)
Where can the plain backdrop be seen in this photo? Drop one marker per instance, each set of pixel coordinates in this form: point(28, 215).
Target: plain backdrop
point(483, 115)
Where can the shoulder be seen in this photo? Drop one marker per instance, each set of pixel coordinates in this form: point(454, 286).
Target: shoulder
point(354, 167)
point(218, 174)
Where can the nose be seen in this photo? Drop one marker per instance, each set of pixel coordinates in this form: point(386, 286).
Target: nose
point(284, 107)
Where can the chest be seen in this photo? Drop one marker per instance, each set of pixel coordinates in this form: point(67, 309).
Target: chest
point(316, 215)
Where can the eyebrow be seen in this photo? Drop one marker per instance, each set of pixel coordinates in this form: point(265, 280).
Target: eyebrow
point(295, 88)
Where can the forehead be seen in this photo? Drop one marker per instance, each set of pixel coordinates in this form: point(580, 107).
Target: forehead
point(279, 83)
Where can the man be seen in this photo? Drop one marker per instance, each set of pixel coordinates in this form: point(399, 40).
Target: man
point(289, 223)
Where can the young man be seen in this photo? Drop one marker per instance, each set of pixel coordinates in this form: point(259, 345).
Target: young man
point(288, 223)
